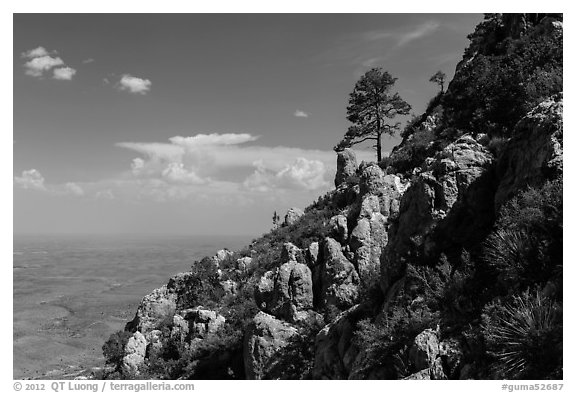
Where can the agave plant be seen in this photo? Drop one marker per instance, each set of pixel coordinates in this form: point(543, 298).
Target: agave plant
point(524, 336)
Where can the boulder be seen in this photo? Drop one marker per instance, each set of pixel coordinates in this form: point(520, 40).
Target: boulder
point(371, 180)
point(424, 350)
point(155, 308)
point(244, 263)
point(534, 154)
point(134, 353)
point(422, 375)
point(339, 228)
point(288, 285)
point(367, 241)
point(203, 321)
point(345, 166)
point(230, 287)
point(335, 352)
point(312, 254)
point(293, 215)
point(339, 279)
point(265, 338)
point(180, 329)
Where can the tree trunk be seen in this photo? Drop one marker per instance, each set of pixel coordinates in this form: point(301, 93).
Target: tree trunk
point(379, 147)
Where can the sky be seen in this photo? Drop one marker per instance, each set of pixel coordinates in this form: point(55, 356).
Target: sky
point(199, 123)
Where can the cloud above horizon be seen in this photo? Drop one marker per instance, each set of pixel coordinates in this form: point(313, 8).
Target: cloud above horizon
point(41, 62)
point(212, 168)
point(65, 73)
point(300, 113)
point(403, 38)
point(134, 84)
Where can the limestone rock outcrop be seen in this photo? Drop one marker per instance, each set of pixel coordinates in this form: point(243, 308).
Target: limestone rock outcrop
point(335, 352)
point(425, 349)
point(293, 215)
point(339, 279)
point(134, 354)
point(534, 152)
point(345, 166)
point(448, 203)
point(265, 338)
point(157, 306)
point(286, 289)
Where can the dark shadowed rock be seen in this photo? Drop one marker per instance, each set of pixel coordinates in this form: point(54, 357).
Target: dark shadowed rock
point(534, 154)
point(448, 203)
point(265, 338)
point(345, 166)
point(335, 352)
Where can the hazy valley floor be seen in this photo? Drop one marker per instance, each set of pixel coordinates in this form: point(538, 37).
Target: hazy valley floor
point(70, 293)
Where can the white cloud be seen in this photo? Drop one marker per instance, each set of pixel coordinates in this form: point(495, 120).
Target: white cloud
point(64, 73)
point(88, 61)
point(134, 85)
point(106, 194)
point(301, 174)
point(300, 113)
point(212, 139)
point(36, 52)
point(74, 189)
point(38, 65)
point(176, 173)
point(30, 179)
point(419, 32)
point(402, 38)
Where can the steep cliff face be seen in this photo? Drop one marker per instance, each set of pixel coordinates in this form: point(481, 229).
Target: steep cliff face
point(388, 275)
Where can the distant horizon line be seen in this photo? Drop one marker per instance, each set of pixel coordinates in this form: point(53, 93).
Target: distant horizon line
point(139, 234)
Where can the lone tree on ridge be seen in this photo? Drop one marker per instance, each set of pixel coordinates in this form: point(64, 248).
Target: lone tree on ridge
point(439, 78)
point(370, 105)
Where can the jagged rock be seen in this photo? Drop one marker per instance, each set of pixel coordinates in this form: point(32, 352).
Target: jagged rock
point(203, 321)
point(308, 318)
point(422, 375)
point(345, 166)
point(265, 338)
point(288, 285)
point(424, 350)
point(448, 203)
point(339, 228)
point(156, 307)
point(370, 204)
point(291, 253)
point(154, 340)
point(230, 287)
point(312, 254)
point(293, 215)
point(371, 179)
point(134, 353)
point(367, 241)
point(244, 263)
point(180, 328)
point(335, 352)
point(339, 279)
point(534, 153)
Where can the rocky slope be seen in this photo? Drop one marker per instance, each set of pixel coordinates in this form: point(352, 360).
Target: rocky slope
point(389, 275)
